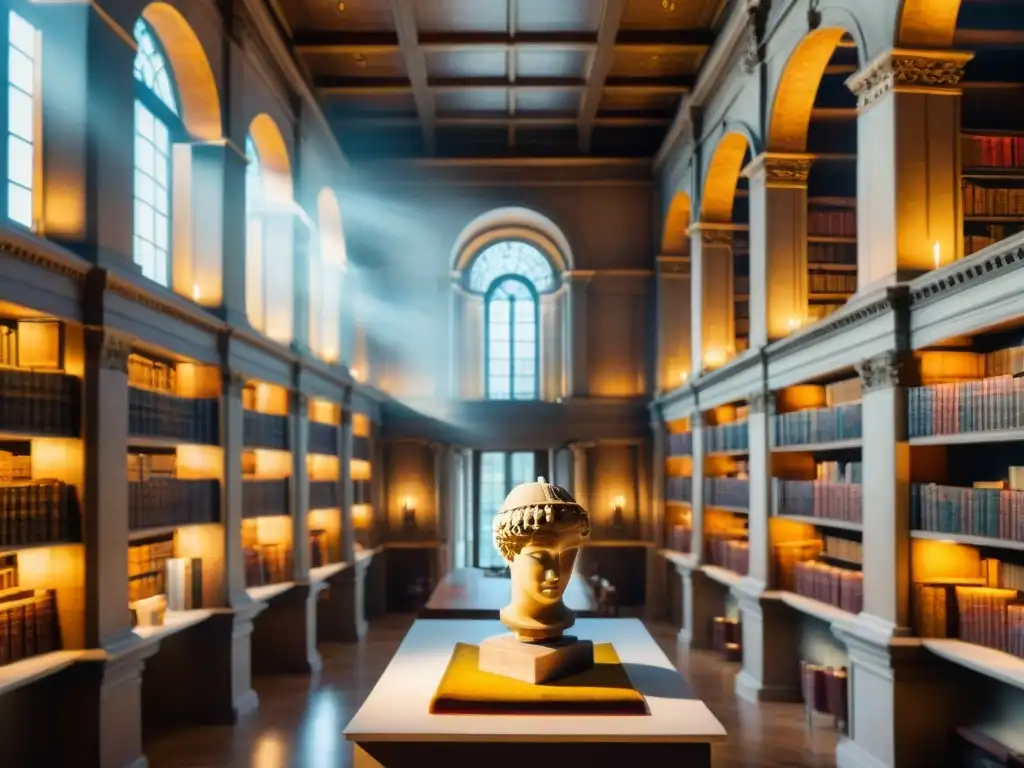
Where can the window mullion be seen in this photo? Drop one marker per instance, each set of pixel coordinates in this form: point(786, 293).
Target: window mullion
point(511, 348)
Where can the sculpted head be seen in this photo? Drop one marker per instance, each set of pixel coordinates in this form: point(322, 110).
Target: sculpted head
point(539, 532)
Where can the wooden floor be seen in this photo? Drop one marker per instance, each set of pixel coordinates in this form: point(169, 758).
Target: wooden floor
point(300, 720)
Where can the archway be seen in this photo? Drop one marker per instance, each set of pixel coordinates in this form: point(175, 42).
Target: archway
point(512, 223)
point(675, 235)
point(327, 263)
point(927, 23)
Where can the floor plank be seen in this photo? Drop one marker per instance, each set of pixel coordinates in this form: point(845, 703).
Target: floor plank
point(300, 719)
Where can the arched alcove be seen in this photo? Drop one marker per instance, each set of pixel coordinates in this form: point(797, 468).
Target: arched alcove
point(512, 223)
point(675, 234)
point(270, 228)
point(327, 262)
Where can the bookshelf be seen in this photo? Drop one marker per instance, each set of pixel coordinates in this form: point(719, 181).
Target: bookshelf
point(831, 254)
point(679, 486)
point(267, 529)
point(726, 488)
point(362, 473)
point(323, 468)
point(992, 186)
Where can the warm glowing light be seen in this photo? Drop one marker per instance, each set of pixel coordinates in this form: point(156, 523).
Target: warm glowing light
point(684, 376)
point(714, 358)
point(794, 323)
point(937, 254)
point(407, 504)
point(619, 502)
point(357, 373)
point(195, 291)
point(362, 515)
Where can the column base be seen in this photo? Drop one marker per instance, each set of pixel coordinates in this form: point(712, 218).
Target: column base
point(284, 636)
point(702, 601)
point(771, 646)
point(341, 609)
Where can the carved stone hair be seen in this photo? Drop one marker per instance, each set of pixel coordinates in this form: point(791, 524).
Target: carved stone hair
point(554, 511)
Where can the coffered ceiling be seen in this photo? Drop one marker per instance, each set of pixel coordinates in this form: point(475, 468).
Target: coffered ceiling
point(500, 78)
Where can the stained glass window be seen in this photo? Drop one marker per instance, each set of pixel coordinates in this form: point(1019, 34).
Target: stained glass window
point(22, 62)
point(511, 257)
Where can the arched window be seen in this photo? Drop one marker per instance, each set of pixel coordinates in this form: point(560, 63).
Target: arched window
point(511, 274)
point(327, 264)
point(255, 301)
point(23, 129)
point(157, 125)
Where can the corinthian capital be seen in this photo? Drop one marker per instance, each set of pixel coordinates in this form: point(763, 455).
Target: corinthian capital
point(909, 69)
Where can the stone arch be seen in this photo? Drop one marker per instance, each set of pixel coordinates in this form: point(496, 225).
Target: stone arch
point(723, 175)
point(197, 88)
point(676, 229)
point(332, 233)
point(927, 23)
point(275, 165)
point(790, 118)
point(512, 223)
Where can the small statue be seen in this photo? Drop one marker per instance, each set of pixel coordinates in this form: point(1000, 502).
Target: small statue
point(538, 531)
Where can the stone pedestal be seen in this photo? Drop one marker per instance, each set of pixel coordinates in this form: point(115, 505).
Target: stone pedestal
point(284, 636)
point(771, 646)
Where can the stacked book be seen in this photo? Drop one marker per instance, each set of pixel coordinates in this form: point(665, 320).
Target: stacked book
point(996, 402)
point(264, 498)
point(265, 430)
point(817, 425)
point(727, 492)
point(813, 498)
point(38, 512)
point(147, 568)
point(266, 564)
point(679, 489)
point(40, 403)
point(160, 502)
point(323, 494)
point(825, 691)
point(162, 415)
point(323, 439)
point(729, 552)
point(680, 444)
point(992, 151)
point(788, 554)
point(841, 587)
point(726, 438)
point(28, 624)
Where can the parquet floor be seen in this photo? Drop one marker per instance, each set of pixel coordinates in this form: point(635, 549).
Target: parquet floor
point(300, 719)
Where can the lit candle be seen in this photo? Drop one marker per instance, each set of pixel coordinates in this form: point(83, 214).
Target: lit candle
point(937, 254)
point(195, 291)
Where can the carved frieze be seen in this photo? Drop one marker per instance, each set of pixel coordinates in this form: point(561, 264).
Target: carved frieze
point(885, 371)
point(927, 70)
point(780, 170)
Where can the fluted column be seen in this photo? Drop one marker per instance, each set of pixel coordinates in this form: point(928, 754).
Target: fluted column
point(712, 296)
point(673, 306)
point(576, 330)
point(908, 164)
point(778, 245)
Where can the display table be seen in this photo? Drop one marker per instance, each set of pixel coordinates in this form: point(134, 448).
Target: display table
point(394, 727)
point(469, 593)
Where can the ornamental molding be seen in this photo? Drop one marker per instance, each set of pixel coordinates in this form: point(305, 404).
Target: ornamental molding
point(37, 257)
point(761, 402)
point(713, 234)
point(780, 170)
point(888, 370)
point(908, 69)
point(989, 264)
point(113, 348)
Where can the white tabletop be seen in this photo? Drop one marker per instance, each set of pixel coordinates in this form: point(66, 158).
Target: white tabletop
point(398, 708)
point(471, 589)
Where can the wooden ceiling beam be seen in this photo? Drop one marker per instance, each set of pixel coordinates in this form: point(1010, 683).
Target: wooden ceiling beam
point(416, 67)
point(347, 86)
point(600, 66)
point(503, 121)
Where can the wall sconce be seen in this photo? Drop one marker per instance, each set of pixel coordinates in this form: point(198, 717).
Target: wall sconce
point(195, 291)
point(617, 505)
point(683, 377)
point(408, 514)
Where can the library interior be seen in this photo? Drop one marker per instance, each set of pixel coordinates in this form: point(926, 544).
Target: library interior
point(678, 338)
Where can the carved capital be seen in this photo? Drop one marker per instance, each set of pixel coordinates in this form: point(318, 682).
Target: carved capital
point(780, 170)
point(673, 265)
point(761, 402)
point(711, 234)
point(910, 69)
point(885, 371)
point(110, 347)
point(231, 381)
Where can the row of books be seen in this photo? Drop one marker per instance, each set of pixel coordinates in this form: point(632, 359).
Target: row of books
point(15, 468)
point(832, 253)
point(727, 492)
point(40, 403)
point(839, 471)
point(726, 437)
point(831, 282)
point(729, 552)
point(267, 564)
point(966, 406)
point(847, 550)
point(989, 201)
point(188, 419)
point(145, 373)
point(992, 151)
point(680, 538)
point(840, 587)
point(991, 512)
point(679, 489)
point(144, 465)
point(8, 572)
point(727, 637)
point(817, 425)
point(680, 444)
point(147, 568)
point(788, 554)
point(265, 430)
point(265, 498)
point(987, 616)
point(319, 548)
point(323, 439)
point(832, 223)
point(825, 690)
point(990, 235)
point(38, 512)
point(1004, 362)
point(813, 498)
point(28, 625)
point(169, 501)
point(323, 494)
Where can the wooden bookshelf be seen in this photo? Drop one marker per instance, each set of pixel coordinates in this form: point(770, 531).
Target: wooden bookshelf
point(820, 522)
point(678, 515)
point(726, 488)
point(816, 608)
point(992, 192)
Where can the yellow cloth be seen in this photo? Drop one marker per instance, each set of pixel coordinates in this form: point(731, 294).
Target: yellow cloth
point(604, 689)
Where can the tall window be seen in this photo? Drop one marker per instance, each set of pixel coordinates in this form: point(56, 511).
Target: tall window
point(499, 474)
point(22, 89)
point(510, 275)
point(327, 265)
point(255, 301)
point(156, 122)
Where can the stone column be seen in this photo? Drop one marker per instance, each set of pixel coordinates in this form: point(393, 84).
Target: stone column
point(778, 245)
point(549, 375)
point(656, 575)
point(908, 169)
point(771, 630)
point(346, 491)
point(88, 122)
point(712, 296)
point(672, 287)
point(455, 322)
point(576, 330)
